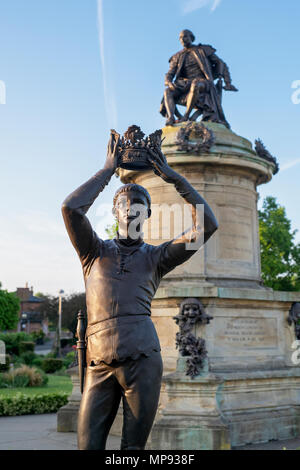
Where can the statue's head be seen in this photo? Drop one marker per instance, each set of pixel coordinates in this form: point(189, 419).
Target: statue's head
point(131, 207)
point(186, 38)
point(191, 308)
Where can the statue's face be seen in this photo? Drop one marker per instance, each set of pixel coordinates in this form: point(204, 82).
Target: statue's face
point(131, 210)
point(191, 310)
point(185, 38)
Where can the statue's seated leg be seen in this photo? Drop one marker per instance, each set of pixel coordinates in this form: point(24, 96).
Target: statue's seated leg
point(170, 106)
point(197, 87)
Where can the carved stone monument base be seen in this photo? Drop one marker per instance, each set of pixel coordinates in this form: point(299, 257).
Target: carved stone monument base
point(68, 414)
point(191, 420)
point(249, 341)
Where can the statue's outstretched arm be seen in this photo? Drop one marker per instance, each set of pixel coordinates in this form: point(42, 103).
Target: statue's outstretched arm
point(76, 205)
point(201, 230)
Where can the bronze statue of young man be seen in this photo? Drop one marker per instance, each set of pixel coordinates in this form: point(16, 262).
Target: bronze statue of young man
point(194, 70)
point(121, 278)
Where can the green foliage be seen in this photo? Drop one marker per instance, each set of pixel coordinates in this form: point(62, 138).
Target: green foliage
point(21, 404)
point(12, 341)
point(24, 377)
point(70, 306)
point(111, 230)
point(28, 358)
point(37, 361)
point(5, 367)
point(69, 359)
point(38, 336)
point(280, 256)
point(9, 310)
point(26, 346)
point(51, 365)
point(55, 384)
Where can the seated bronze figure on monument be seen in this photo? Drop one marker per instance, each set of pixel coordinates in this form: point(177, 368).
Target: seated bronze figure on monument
point(190, 82)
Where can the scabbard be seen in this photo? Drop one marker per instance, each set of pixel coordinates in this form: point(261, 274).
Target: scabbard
point(81, 347)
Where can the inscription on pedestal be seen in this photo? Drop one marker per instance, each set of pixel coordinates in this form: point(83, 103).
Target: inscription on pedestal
point(244, 334)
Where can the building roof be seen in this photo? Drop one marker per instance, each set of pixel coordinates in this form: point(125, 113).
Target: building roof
point(32, 298)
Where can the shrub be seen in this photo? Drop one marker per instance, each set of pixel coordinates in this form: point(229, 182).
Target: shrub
point(28, 358)
point(37, 361)
point(3, 384)
point(25, 377)
point(50, 365)
point(69, 359)
point(38, 336)
point(26, 346)
point(51, 354)
point(20, 381)
point(21, 404)
point(12, 341)
point(5, 367)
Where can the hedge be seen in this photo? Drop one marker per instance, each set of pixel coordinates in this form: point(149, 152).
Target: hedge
point(12, 341)
point(26, 346)
point(21, 404)
point(51, 365)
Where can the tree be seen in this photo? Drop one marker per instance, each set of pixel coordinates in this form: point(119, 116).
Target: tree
point(111, 230)
point(49, 307)
point(280, 255)
point(70, 306)
point(9, 310)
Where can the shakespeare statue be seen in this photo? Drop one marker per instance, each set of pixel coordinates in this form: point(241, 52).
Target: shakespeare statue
point(123, 359)
point(190, 82)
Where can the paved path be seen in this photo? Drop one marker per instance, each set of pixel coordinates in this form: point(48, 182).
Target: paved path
point(38, 432)
point(43, 349)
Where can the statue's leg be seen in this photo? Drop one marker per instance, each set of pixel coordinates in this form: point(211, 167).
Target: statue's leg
point(196, 88)
point(99, 405)
point(170, 106)
point(141, 381)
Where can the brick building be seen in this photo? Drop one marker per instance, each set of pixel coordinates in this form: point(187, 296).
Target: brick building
point(31, 318)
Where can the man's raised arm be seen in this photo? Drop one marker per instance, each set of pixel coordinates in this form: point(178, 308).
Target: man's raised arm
point(76, 205)
point(176, 251)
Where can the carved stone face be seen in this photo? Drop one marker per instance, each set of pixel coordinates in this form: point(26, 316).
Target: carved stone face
point(191, 310)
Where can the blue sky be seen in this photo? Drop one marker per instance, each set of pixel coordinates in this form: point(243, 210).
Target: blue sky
point(75, 68)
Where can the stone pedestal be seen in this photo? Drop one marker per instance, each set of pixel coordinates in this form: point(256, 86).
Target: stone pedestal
point(227, 177)
point(67, 415)
point(249, 341)
point(191, 418)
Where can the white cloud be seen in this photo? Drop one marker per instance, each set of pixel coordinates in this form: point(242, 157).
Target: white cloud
point(215, 4)
point(193, 5)
point(290, 164)
point(109, 96)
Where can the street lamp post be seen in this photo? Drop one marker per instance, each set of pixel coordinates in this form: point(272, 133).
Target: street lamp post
point(60, 295)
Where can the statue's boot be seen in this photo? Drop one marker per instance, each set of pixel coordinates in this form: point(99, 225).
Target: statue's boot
point(170, 121)
point(184, 118)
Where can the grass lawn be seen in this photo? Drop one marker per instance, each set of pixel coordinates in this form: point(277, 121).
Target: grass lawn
point(56, 383)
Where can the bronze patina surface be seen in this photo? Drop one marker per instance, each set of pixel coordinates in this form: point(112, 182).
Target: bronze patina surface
point(190, 82)
point(121, 277)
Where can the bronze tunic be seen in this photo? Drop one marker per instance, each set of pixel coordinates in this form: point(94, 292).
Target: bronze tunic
point(121, 280)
